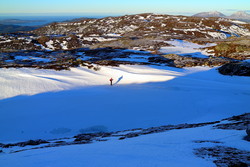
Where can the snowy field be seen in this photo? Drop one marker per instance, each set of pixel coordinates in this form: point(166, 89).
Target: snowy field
point(50, 104)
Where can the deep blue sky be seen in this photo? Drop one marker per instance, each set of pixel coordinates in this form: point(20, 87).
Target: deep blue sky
point(112, 7)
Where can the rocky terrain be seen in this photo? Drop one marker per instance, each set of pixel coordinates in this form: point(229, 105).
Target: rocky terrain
point(240, 69)
point(105, 41)
point(125, 29)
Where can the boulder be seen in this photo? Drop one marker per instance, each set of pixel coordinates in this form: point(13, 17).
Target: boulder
point(239, 68)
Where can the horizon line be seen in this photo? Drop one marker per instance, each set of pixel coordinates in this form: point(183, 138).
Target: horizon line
point(105, 14)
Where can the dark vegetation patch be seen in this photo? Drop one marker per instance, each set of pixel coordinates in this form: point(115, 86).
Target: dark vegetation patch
point(235, 48)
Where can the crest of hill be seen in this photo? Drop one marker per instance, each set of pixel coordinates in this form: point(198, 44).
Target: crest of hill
point(210, 14)
point(147, 25)
point(240, 15)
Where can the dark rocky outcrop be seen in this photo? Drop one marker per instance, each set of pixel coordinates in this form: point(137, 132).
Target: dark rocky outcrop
point(90, 136)
point(239, 68)
point(240, 122)
point(23, 144)
point(225, 156)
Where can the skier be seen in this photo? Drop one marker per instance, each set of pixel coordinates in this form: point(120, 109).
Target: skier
point(111, 81)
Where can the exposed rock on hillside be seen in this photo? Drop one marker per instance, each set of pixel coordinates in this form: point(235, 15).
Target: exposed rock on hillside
point(148, 32)
point(225, 156)
point(143, 30)
point(241, 69)
point(184, 61)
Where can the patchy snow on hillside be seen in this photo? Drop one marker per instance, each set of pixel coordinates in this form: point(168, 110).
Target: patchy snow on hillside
point(217, 35)
point(64, 45)
point(238, 22)
point(50, 45)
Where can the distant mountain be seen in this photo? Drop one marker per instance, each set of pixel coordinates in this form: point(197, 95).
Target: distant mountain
point(240, 15)
point(210, 14)
point(15, 28)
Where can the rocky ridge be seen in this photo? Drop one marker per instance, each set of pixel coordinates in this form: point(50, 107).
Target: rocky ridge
point(148, 25)
point(128, 28)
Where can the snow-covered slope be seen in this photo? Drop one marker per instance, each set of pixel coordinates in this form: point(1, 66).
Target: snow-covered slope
point(142, 96)
point(174, 148)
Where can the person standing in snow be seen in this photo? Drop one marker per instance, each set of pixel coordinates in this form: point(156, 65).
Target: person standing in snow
point(111, 81)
